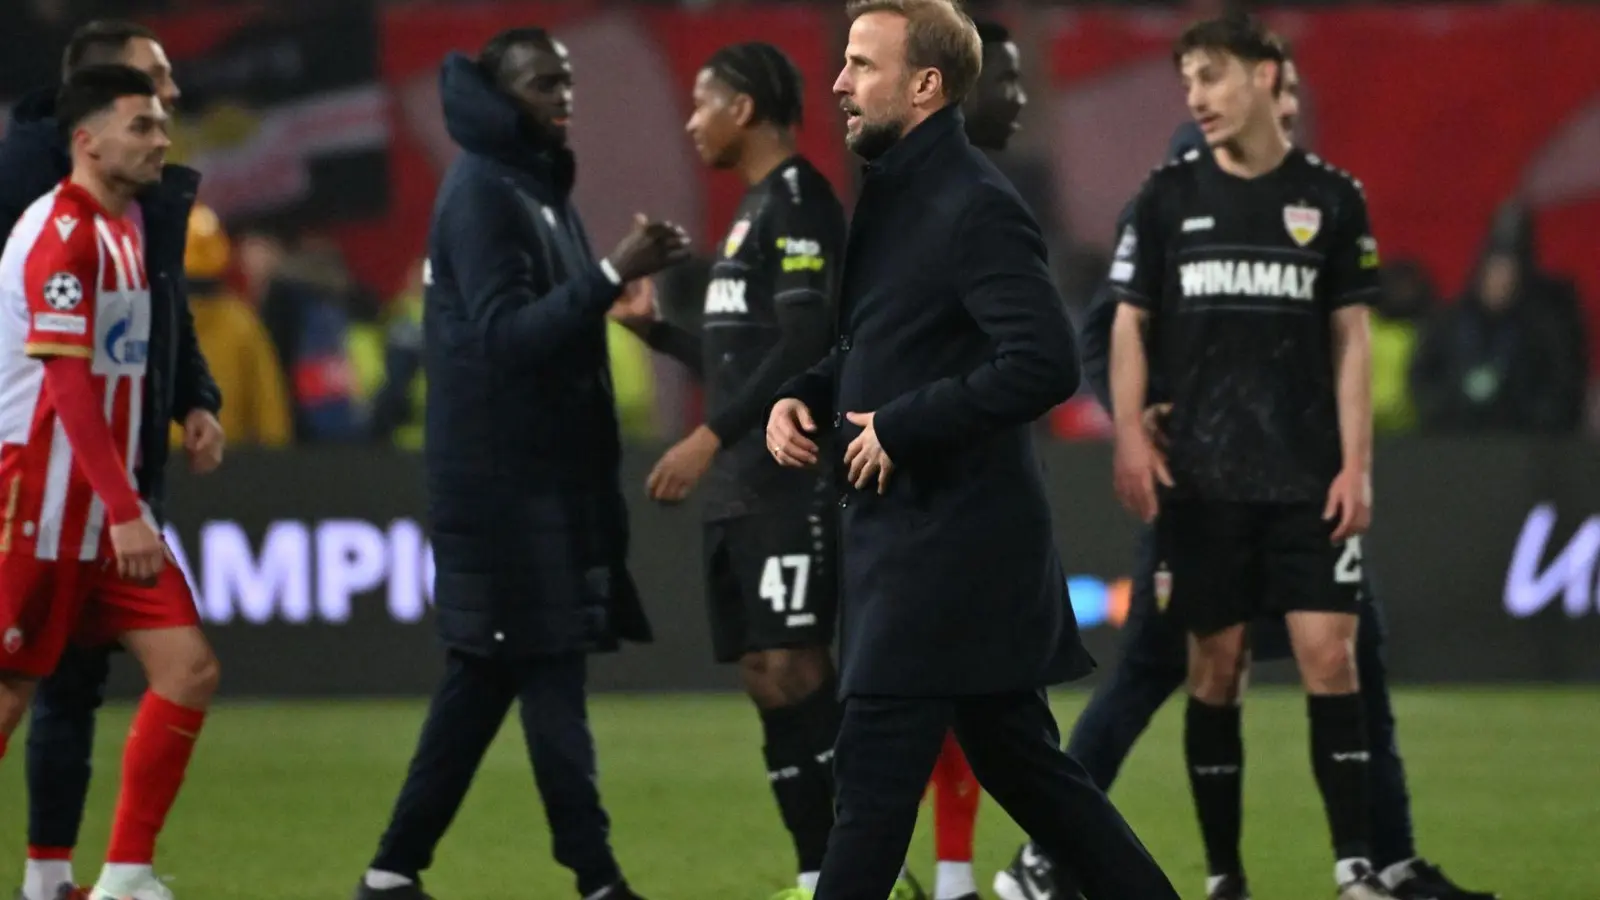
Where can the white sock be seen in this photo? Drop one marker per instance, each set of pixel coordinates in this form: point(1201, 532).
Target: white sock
point(954, 881)
point(598, 895)
point(808, 881)
point(1346, 870)
point(1397, 873)
point(1212, 883)
point(122, 879)
point(379, 880)
point(43, 876)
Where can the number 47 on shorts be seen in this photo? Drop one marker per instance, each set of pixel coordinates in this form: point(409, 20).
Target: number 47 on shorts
point(1348, 569)
point(783, 584)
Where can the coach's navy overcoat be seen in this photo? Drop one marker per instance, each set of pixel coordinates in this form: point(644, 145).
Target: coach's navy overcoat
point(951, 331)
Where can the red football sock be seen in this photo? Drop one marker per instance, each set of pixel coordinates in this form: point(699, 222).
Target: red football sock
point(2, 746)
point(159, 746)
point(955, 809)
point(59, 854)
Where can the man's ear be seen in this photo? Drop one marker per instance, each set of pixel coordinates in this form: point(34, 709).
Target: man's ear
point(928, 87)
point(743, 109)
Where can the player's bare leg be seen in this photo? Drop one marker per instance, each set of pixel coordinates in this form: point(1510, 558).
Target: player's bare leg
point(183, 673)
point(1325, 650)
point(1214, 753)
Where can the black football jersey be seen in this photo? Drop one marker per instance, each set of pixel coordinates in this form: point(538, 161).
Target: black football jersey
point(780, 258)
point(1240, 278)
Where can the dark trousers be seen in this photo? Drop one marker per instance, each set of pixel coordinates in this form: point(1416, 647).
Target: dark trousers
point(1153, 666)
point(61, 746)
point(886, 751)
point(467, 711)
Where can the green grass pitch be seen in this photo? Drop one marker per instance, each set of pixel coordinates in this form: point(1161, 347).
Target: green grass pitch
point(285, 801)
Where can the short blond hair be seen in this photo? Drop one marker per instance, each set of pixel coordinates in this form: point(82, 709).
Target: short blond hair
point(939, 35)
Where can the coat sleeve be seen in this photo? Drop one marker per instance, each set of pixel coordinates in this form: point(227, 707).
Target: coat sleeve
point(494, 265)
point(193, 387)
point(814, 388)
point(1005, 285)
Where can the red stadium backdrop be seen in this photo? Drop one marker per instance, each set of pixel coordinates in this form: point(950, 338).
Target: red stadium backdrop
point(1443, 113)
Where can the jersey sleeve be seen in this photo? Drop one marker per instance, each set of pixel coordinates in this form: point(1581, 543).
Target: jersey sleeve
point(807, 235)
point(59, 281)
point(1139, 262)
point(1353, 261)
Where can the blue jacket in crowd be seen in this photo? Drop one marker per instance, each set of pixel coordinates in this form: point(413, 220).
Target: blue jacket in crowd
point(530, 532)
point(33, 160)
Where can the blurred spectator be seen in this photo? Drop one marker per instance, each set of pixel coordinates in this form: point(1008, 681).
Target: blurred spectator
point(310, 304)
point(1407, 300)
point(399, 394)
point(1509, 356)
point(255, 402)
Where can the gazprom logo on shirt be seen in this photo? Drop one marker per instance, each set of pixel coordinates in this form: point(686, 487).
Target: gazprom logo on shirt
point(125, 350)
point(1227, 277)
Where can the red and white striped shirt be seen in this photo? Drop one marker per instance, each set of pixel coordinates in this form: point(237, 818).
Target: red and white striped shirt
point(72, 284)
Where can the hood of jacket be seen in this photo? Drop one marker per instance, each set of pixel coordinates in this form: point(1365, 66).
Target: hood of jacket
point(33, 120)
point(482, 120)
point(1187, 137)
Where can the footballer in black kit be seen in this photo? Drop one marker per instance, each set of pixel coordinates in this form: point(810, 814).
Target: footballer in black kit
point(769, 313)
point(1243, 279)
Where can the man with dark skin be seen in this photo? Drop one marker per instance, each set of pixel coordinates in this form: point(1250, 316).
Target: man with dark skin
point(522, 451)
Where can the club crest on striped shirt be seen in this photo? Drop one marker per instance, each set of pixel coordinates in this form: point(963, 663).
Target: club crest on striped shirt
point(1302, 221)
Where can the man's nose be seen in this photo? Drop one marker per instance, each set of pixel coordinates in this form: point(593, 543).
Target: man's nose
point(841, 85)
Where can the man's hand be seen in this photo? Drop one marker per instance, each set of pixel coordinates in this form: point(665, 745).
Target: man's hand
point(649, 248)
point(203, 440)
point(637, 305)
point(787, 428)
point(681, 467)
point(865, 457)
point(1350, 502)
point(1154, 420)
point(1137, 466)
point(140, 550)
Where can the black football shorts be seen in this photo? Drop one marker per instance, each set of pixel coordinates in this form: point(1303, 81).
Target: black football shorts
point(1221, 563)
point(771, 581)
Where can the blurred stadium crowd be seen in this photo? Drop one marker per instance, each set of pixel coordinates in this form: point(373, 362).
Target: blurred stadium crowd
point(308, 352)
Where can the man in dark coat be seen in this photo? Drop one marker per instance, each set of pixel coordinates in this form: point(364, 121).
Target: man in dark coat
point(952, 342)
point(178, 388)
point(530, 533)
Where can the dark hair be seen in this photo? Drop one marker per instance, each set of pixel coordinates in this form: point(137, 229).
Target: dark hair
point(992, 32)
point(99, 42)
point(939, 35)
point(94, 89)
point(767, 76)
point(492, 58)
point(1236, 34)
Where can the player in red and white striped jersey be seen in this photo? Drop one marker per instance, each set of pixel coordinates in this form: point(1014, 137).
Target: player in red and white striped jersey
point(81, 558)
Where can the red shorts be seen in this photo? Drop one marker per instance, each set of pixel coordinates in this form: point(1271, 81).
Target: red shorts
point(46, 603)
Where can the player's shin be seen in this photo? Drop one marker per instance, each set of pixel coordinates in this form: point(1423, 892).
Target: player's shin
point(799, 757)
point(955, 813)
point(1214, 751)
point(1340, 759)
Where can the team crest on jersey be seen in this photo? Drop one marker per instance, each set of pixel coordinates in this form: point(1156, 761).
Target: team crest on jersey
point(1163, 586)
point(1303, 222)
point(736, 237)
point(13, 640)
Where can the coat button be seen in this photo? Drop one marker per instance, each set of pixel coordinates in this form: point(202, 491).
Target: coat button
point(844, 342)
point(500, 635)
point(843, 501)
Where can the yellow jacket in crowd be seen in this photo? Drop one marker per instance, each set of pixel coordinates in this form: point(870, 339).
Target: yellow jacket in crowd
point(255, 399)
